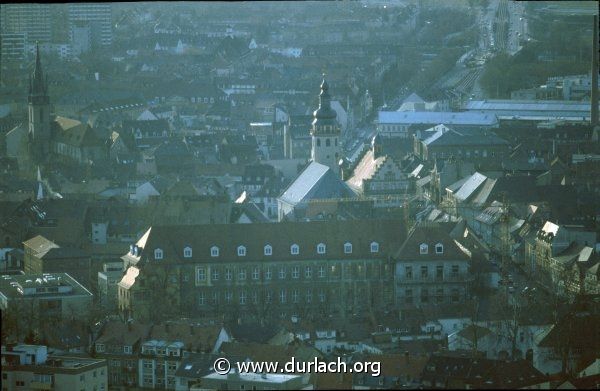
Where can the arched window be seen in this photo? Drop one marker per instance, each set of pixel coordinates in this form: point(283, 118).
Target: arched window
point(439, 248)
point(295, 249)
point(327, 142)
point(241, 251)
point(158, 254)
point(374, 247)
point(423, 248)
point(321, 248)
point(214, 251)
point(187, 252)
point(268, 250)
point(347, 248)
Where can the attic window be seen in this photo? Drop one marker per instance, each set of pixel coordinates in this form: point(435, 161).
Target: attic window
point(158, 254)
point(347, 248)
point(241, 251)
point(321, 248)
point(268, 250)
point(214, 251)
point(439, 248)
point(374, 247)
point(295, 249)
point(187, 252)
point(423, 248)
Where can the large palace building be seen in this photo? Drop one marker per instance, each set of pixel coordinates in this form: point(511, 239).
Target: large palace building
point(261, 270)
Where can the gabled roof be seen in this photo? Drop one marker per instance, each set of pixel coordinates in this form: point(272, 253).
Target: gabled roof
point(121, 334)
point(473, 332)
point(197, 337)
point(437, 117)
point(431, 234)
point(366, 169)
point(315, 182)
point(307, 235)
point(73, 132)
point(445, 136)
point(413, 98)
point(196, 365)
point(40, 245)
point(482, 373)
point(469, 187)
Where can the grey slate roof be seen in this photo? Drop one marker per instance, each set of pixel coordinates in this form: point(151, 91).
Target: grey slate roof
point(431, 234)
point(316, 181)
point(437, 117)
point(531, 109)
point(442, 135)
point(334, 234)
point(469, 187)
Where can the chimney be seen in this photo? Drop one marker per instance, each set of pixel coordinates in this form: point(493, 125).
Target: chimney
point(594, 93)
point(129, 321)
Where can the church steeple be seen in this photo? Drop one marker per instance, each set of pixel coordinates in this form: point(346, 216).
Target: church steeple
point(39, 113)
point(324, 115)
point(325, 132)
point(38, 88)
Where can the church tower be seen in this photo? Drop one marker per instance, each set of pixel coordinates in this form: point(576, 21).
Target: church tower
point(39, 113)
point(325, 132)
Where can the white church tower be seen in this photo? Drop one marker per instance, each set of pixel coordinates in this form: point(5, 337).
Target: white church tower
point(325, 132)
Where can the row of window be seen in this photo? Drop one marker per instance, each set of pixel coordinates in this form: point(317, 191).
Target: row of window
point(267, 250)
point(245, 297)
point(268, 273)
point(439, 272)
point(439, 295)
point(424, 248)
point(484, 153)
point(327, 142)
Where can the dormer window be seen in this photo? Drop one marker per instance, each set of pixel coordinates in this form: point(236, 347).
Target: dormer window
point(423, 248)
point(439, 248)
point(268, 250)
point(321, 248)
point(241, 251)
point(347, 248)
point(374, 247)
point(295, 249)
point(187, 252)
point(214, 251)
point(158, 254)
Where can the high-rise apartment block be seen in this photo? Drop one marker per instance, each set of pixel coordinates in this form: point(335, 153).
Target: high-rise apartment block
point(97, 16)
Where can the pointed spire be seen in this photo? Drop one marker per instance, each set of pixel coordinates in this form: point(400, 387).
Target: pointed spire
point(38, 74)
point(38, 89)
point(40, 190)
